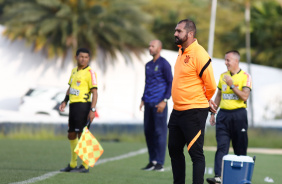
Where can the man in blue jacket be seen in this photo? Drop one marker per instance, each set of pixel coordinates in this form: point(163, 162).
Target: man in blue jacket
point(156, 93)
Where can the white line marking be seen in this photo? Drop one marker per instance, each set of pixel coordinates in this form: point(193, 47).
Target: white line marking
point(130, 154)
point(39, 178)
point(101, 161)
point(168, 168)
point(270, 151)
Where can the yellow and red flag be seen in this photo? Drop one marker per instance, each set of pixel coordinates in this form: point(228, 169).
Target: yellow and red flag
point(88, 148)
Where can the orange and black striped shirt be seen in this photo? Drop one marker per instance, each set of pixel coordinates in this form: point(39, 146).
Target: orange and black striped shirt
point(193, 83)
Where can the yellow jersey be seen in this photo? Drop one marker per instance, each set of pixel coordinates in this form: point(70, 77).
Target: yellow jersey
point(229, 100)
point(81, 82)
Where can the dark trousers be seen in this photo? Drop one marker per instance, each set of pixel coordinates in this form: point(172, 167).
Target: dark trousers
point(187, 127)
point(230, 125)
point(78, 116)
point(155, 129)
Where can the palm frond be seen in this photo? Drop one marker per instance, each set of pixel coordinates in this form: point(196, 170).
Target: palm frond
point(55, 26)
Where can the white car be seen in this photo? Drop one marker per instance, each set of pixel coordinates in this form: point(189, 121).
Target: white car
point(43, 100)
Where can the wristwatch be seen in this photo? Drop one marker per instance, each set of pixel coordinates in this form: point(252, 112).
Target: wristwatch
point(232, 86)
point(165, 100)
point(93, 109)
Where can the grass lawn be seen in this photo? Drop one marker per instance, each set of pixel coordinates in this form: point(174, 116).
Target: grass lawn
point(25, 159)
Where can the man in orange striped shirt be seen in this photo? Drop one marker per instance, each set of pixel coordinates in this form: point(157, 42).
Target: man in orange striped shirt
point(192, 89)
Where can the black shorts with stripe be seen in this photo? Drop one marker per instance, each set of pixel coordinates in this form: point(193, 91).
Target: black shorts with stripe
point(78, 116)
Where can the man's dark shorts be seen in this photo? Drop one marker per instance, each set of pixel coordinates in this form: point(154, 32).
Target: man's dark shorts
point(78, 116)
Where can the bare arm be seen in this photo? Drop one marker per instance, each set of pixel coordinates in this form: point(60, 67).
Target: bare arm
point(161, 106)
point(94, 97)
point(91, 114)
point(141, 105)
point(217, 102)
point(217, 98)
point(63, 104)
point(243, 95)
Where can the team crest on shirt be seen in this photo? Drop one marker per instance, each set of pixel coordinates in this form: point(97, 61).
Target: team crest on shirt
point(224, 87)
point(186, 60)
point(156, 68)
point(77, 83)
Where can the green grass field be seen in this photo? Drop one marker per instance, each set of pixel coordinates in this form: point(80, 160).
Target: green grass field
point(21, 160)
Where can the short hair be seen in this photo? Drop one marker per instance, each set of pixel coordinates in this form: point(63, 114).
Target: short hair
point(235, 52)
point(189, 26)
point(83, 50)
point(159, 42)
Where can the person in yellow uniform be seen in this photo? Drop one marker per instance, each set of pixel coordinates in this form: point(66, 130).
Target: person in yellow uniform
point(82, 94)
point(234, 88)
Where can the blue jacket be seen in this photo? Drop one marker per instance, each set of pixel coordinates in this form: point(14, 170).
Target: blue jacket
point(158, 81)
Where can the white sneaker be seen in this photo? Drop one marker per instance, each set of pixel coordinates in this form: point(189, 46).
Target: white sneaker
point(215, 180)
point(150, 166)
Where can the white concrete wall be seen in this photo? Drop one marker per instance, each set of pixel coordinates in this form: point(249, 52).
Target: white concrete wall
point(121, 87)
point(267, 87)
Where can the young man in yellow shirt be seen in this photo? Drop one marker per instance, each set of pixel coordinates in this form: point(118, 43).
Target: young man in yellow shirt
point(82, 84)
point(234, 88)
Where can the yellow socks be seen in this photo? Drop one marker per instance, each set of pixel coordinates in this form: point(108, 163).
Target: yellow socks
point(85, 165)
point(73, 162)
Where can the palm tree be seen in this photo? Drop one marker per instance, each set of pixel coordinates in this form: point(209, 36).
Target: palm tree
point(56, 26)
point(267, 28)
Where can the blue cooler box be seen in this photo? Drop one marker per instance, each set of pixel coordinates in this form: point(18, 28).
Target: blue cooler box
point(237, 169)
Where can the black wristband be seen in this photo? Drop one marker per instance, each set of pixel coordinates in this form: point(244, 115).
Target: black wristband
point(212, 113)
point(67, 97)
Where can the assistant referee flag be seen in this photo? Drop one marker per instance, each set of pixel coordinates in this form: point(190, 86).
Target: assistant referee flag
point(88, 148)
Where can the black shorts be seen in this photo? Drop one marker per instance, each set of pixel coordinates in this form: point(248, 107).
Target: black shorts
point(78, 116)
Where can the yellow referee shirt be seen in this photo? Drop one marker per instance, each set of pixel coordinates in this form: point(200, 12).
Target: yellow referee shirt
point(81, 82)
point(229, 100)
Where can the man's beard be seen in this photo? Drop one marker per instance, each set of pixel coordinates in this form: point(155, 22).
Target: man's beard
point(179, 41)
point(152, 53)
